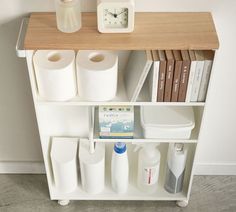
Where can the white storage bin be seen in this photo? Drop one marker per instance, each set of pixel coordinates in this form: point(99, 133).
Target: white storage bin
point(64, 163)
point(167, 122)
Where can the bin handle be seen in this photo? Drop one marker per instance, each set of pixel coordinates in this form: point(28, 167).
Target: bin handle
point(20, 51)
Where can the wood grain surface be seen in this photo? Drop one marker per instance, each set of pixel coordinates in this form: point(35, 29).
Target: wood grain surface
point(152, 31)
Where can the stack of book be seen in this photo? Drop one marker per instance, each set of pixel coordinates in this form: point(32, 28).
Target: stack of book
point(171, 75)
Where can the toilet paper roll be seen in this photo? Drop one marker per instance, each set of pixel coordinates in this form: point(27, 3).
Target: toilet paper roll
point(64, 163)
point(92, 167)
point(55, 74)
point(97, 74)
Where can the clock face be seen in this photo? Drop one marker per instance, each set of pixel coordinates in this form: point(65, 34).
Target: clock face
point(115, 17)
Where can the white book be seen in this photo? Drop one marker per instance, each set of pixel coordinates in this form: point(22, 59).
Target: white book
point(136, 73)
point(144, 95)
point(198, 75)
point(191, 75)
point(153, 76)
point(150, 81)
point(208, 57)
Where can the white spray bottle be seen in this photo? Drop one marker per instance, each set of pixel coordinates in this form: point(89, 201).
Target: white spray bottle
point(148, 167)
point(176, 162)
point(120, 168)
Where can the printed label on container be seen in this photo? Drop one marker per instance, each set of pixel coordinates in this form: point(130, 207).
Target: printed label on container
point(150, 175)
point(105, 129)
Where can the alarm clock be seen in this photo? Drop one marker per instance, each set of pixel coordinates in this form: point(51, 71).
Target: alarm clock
point(115, 16)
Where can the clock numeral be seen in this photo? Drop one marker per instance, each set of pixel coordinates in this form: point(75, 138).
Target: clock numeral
point(116, 17)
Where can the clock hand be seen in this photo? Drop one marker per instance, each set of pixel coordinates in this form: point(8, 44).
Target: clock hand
point(120, 13)
point(114, 15)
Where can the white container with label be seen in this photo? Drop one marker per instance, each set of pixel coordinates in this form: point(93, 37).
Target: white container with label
point(148, 168)
point(167, 122)
point(175, 171)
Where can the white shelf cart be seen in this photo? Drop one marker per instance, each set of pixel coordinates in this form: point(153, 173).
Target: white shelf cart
point(76, 118)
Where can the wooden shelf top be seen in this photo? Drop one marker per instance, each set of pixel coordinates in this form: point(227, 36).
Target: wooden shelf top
point(152, 31)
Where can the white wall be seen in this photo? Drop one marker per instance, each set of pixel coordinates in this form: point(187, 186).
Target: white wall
point(19, 139)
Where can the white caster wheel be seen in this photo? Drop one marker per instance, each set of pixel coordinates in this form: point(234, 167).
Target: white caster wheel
point(182, 203)
point(63, 202)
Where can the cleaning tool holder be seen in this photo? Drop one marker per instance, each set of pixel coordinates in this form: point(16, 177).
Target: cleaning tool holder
point(92, 167)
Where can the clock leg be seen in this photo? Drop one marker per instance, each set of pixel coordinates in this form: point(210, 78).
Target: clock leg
point(182, 203)
point(63, 202)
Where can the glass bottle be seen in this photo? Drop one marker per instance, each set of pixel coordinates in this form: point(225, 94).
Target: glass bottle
point(68, 14)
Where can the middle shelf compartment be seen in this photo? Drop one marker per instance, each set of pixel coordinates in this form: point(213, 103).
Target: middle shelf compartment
point(74, 121)
point(138, 130)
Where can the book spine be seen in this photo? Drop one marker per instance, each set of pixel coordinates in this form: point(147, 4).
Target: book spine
point(155, 80)
point(175, 88)
point(161, 81)
point(197, 80)
point(190, 81)
point(169, 80)
point(205, 81)
point(151, 81)
point(184, 81)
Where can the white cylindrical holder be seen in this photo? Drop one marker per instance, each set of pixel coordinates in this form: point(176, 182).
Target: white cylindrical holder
point(64, 163)
point(55, 74)
point(92, 167)
point(97, 74)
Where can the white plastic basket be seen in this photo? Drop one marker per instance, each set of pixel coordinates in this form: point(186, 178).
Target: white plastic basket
point(167, 122)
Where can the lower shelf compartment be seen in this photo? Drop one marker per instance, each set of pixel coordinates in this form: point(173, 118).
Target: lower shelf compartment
point(133, 192)
point(108, 194)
